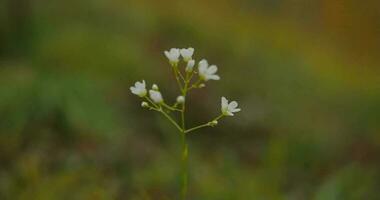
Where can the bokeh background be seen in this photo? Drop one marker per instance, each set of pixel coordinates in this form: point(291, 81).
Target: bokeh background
point(306, 75)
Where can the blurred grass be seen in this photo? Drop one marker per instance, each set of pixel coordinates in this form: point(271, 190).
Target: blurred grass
point(305, 73)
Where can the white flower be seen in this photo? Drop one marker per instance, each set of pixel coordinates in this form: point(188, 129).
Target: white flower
point(207, 73)
point(190, 65)
point(155, 87)
point(173, 55)
point(229, 108)
point(180, 99)
point(139, 89)
point(156, 96)
point(187, 53)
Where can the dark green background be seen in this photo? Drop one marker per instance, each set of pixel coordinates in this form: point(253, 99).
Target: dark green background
point(306, 75)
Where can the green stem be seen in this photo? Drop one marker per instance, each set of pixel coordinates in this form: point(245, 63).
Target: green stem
point(170, 107)
point(171, 120)
point(198, 127)
point(176, 72)
point(185, 159)
point(150, 101)
point(181, 76)
point(185, 151)
point(204, 125)
point(195, 85)
point(159, 109)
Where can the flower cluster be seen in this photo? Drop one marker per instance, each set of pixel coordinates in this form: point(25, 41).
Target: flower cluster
point(185, 79)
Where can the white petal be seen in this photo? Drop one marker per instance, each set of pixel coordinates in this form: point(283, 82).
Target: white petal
point(224, 103)
point(167, 54)
point(232, 105)
point(186, 53)
point(155, 96)
point(174, 52)
point(202, 70)
point(190, 51)
point(133, 90)
point(213, 77)
point(139, 85)
point(203, 64)
point(190, 65)
point(212, 69)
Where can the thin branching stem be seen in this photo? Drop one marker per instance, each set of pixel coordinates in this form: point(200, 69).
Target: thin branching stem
point(185, 154)
point(204, 125)
point(171, 120)
point(150, 101)
point(158, 108)
point(170, 107)
point(175, 71)
point(195, 85)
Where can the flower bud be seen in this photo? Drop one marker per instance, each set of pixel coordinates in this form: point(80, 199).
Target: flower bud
point(155, 87)
point(144, 104)
point(156, 96)
point(202, 85)
point(213, 123)
point(190, 65)
point(180, 99)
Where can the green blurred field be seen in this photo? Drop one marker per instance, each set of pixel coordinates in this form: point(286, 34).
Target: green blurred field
point(306, 75)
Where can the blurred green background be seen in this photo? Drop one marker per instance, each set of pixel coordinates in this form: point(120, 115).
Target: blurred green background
point(306, 75)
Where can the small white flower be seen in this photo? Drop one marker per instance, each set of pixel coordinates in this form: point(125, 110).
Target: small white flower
point(155, 87)
point(180, 99)
point(144, 104)
point(156, 96)
point(139, 89)
point(173, 55)
point(229, 109)
point(207, 73)
point(190, 65)
point(187, 53)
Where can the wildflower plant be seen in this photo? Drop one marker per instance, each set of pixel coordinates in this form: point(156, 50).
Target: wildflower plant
point(187, 79)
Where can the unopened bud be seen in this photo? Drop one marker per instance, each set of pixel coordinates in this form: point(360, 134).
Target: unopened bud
point(144, 104)
point(213, 123)
point(190, 65)
point(180, 99)
point(202, 85)
point(155, 87)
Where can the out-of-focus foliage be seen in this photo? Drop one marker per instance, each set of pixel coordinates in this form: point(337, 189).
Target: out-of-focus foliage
point(306, 74)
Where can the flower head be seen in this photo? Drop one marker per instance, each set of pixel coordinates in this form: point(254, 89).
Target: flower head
point(187, 54)
point(156, 96)
point(172, 55)
point(207, 73)
point(139, 89)
point(190, 65)
point(229, 109)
